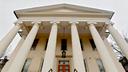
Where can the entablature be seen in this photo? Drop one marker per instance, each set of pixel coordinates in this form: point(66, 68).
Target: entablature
point(85, 19)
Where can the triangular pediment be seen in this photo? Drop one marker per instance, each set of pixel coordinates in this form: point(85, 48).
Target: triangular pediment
point(61, 10)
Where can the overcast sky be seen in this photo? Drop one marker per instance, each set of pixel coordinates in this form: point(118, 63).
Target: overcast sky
point(7, 18)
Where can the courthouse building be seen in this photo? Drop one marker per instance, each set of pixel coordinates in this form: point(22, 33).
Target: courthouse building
point(63, 38)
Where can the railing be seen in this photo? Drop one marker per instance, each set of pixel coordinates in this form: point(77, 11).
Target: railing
point(75, 70)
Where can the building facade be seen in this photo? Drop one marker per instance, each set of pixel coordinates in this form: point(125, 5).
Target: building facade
point(63, 38)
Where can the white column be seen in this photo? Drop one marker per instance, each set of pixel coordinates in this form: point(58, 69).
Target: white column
point(13, 55)
point(102, 49)
point(4, 43)
point(113, 55)
point(18, 62)
point(77, 53)
point(50, 52)
point(119, 40)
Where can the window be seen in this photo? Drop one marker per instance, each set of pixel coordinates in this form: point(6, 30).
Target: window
point(64, 44)
point(81, 43)
point(46, 44)
point(34, 44)
point(26, 65)
point(92, 44)
point(100, 65)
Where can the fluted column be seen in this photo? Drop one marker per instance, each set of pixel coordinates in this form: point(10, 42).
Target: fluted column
point(77, 53)
point(50, 52)
point(18, 62)
point(119, 40)
point(102, 49)
point(5, 42)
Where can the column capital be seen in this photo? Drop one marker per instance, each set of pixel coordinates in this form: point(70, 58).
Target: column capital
point(91, 25)
point(18, 23)
point(109, 22)
point(109, 25)
point(36, 22)
point(73, 22)
point(91, 22)
point(54, 22)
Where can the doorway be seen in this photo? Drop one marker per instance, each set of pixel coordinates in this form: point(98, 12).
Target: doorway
point(63, 66)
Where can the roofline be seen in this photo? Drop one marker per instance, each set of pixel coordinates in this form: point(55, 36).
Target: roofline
point(15, 14)
point(64, 4)
point(112, 15)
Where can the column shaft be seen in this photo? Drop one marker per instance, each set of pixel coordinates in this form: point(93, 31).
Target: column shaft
point(102, 49)
point(37, 59)
point(111, 52)
point(50, 52)
point(18, 62)
point(4, 43)
point(77, 53)
point(119, 40)
point(13, 55)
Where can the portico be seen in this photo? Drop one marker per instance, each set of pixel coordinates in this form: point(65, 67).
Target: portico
point(43, 30)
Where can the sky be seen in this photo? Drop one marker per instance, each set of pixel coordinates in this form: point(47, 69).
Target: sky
point(7, 18)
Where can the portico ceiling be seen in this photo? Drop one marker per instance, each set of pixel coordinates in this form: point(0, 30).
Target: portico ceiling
point(64, 27)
